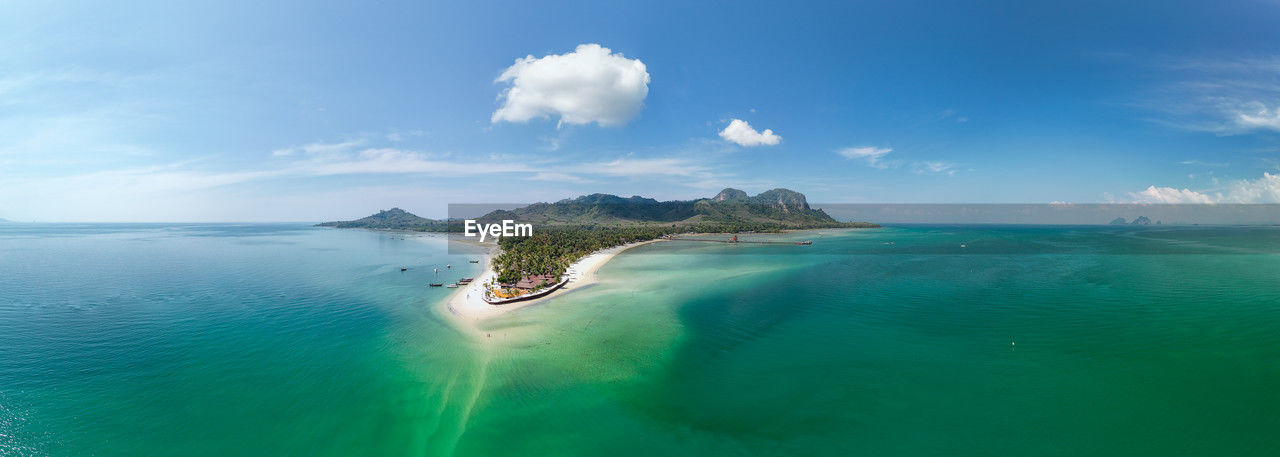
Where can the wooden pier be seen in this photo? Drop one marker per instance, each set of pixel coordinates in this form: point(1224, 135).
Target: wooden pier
point(735, 239)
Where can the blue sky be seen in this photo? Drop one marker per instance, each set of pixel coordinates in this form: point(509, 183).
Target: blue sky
point(240, 111)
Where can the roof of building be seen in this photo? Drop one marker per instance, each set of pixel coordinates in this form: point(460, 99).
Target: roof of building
point(529, 282)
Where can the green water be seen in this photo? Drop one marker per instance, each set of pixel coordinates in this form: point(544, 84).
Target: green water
point(287, 340)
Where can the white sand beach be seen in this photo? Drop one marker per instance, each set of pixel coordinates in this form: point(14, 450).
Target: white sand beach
point(468, 308)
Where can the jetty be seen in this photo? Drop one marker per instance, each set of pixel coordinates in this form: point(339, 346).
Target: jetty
point(734, 239)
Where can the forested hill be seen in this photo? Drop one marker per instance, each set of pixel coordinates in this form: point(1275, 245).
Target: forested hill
point(732, 209)
point(392, 219)
point(731, 206)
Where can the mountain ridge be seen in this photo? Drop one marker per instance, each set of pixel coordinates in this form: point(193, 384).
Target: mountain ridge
point(775, 208)
point(391, 219)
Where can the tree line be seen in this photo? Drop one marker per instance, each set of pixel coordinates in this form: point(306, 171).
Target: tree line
point(550, 250)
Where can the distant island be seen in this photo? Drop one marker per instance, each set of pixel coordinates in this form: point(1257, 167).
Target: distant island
point(392, 219)
point(1141, 220)
point(731, 210)
point(570, 229)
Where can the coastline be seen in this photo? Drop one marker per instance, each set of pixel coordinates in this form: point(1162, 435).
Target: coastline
point(467, 308)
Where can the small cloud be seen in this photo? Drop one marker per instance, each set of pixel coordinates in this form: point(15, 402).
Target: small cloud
point(935, 167)
point(869, 153)
point(557, 177)
point(1204, 164)
point(660, 166)
point(589, 84)
point(318, 148)
point(740, 132)
point(952, 114)
point(552, 143)
point(1258, 116)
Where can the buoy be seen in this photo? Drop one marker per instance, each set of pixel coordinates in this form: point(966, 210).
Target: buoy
point(403, 268)
point(1011, 344)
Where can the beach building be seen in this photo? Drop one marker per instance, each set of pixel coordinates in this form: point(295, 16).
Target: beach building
point(533, 281)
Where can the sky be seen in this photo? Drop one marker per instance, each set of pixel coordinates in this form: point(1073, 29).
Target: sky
point(311, 111)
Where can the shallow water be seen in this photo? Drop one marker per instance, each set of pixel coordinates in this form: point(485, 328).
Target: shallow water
point(290, 340)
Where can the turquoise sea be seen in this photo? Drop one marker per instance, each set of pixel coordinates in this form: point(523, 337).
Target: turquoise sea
point(275, 340)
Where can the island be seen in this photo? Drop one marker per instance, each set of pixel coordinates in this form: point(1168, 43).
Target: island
point(1140, 220)
point(573, 237)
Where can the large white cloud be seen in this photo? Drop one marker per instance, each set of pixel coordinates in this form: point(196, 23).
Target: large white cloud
point(869, 153)
point(590, 84)
point(740, 132)
point(1262, 190)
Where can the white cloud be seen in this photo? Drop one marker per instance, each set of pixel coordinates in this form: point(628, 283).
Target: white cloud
point(869, 153)
point(1205, 164)
point(936, 167)
point(952, 114)
point(197, 185)
point(1226, 96)
point(1262, 190)
point(1259, 117)
point(318, 148)
point(398, 161)
point(557, 177)
point(182, 177)
point(740, 132)
point(590, 84)
point(659, 166)
point(1155, 194)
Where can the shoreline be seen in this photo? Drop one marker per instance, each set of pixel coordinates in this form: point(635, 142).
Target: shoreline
point(467, 308)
